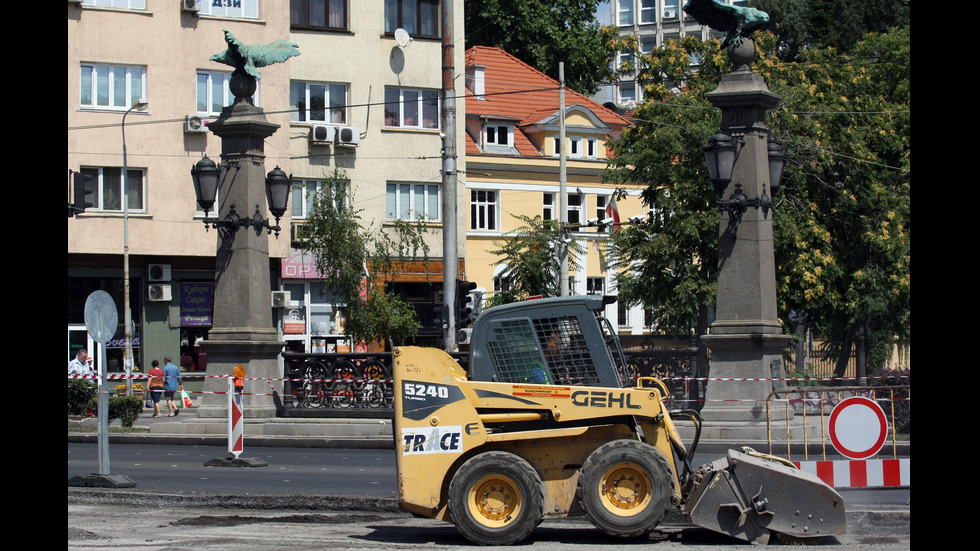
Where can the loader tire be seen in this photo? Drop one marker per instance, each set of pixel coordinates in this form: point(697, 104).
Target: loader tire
point(496, 498)
point(625, 488)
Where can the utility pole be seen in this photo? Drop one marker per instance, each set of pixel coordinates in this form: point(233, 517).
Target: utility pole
point(562, 182)
point(450, 254)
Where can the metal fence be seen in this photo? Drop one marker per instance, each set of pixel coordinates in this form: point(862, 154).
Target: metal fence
point(814, 405)
point(360, 385)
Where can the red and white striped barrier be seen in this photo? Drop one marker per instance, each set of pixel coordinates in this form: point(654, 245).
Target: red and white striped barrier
point(871, 473)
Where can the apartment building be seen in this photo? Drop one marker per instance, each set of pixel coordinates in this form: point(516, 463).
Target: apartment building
point(355, 100)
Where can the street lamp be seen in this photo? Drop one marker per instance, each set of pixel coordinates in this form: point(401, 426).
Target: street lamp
point(720, 154)
point(277, 185)
point(139, 105)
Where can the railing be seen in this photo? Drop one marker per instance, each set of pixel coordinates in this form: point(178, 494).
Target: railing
point(360, 384)
point(815, 405)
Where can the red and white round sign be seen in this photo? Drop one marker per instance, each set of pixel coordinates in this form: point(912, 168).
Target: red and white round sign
point(858, 427)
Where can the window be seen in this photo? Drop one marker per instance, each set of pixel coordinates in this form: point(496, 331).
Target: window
point(625, 18)
point(627, 92)
point(107, 187)
point(600, 210)
point(575, 210)
point(318, 14)
point(118, 4)
point(318, 102)
point(483, 210)
point(593, 285)
point(411, 108)
point(648, 11)
point(418, 17)
point(591, 148)
point(213, 93)
point(575, 146)
point(648, 45)
point(498, 135)
point(413, 201)
point(623, 59)
point(548, 207)
point(623, 314)
point(239, 9)
point(304, 192)
point(111, 86)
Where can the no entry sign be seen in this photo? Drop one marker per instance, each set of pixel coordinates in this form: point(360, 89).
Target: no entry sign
point(858, 427)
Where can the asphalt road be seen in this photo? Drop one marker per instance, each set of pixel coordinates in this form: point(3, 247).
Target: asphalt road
point(296, 471)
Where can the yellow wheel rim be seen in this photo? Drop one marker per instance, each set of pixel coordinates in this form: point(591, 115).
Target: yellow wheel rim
point(495, 500)
point(625, 489)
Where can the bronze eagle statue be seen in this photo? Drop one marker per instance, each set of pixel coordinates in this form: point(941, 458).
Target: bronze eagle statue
point(737, 21)
point(250, 58)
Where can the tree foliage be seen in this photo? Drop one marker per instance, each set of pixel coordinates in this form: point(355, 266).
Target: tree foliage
point(543, 33)
point(531, 254)
point(801, 25)
point(358, 262)
point(842, 224)
point(670, 262)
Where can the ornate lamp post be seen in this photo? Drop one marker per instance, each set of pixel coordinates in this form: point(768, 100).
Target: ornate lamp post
point(242, 330)
point(746, 340)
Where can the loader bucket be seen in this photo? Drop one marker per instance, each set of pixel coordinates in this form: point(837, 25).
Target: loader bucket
point(749, 497)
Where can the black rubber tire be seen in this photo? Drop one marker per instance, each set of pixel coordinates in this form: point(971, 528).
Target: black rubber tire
point(496, 498)
point(626, 488)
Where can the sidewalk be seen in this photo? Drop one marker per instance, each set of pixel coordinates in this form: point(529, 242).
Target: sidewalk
point(352, 433)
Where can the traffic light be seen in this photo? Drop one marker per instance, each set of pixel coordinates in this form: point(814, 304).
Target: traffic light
point(464, 303)
point(81, 189)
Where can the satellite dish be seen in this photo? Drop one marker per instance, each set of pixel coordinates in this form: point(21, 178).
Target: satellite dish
point(402, 37)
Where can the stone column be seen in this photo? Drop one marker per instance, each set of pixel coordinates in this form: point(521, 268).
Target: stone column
point(746, 340)
point(243, 331)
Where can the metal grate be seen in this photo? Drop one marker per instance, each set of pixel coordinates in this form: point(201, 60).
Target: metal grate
point(553, 351)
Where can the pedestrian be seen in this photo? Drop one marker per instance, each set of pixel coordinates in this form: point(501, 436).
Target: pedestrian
point(155, 385)
point(171, 384)
point(80, 365)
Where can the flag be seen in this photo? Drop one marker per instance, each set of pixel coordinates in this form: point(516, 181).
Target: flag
point(612, 211)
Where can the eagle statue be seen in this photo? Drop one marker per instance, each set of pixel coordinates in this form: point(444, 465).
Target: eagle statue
point(250, 58)
point(737, 21)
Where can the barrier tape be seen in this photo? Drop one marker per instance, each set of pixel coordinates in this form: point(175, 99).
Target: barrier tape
point(122, 376)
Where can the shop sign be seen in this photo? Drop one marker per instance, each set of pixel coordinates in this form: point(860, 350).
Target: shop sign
point(196, 302)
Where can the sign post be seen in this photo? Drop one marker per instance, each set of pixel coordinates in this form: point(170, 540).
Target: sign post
point(101, 320)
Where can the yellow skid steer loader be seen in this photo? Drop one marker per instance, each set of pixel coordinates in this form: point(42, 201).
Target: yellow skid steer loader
point(549, 423)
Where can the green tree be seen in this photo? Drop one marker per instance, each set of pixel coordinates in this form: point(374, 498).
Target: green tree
point(843, 218)
point(669, 262)
point(358, 262)
point(542, 33)
point(531, 253)
point(800, 25)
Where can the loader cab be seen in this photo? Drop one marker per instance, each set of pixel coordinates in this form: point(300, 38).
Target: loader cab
point(555, 341)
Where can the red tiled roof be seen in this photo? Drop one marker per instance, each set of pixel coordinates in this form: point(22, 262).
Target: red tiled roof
point(515, 90)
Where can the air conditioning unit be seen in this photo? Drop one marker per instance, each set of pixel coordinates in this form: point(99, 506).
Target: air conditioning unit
point(670, 14)
point(159, 292)
point(348, 135)
point(158, 272)
point(194, 124)
point(280, 299)
point(192, 6)
point(322, 133)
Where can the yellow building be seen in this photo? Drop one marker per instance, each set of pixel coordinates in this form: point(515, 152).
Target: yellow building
point(512, 159)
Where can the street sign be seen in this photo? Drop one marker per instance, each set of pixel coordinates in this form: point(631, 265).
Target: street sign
point(101, 318)
point(858, 427)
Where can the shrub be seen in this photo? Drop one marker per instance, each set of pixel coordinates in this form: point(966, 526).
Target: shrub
point(125, 408)
point(82, 399)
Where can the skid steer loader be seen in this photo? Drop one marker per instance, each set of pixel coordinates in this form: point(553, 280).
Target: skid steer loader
point(548, 422)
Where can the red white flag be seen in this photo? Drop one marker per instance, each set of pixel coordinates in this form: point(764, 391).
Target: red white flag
point(612, 211)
